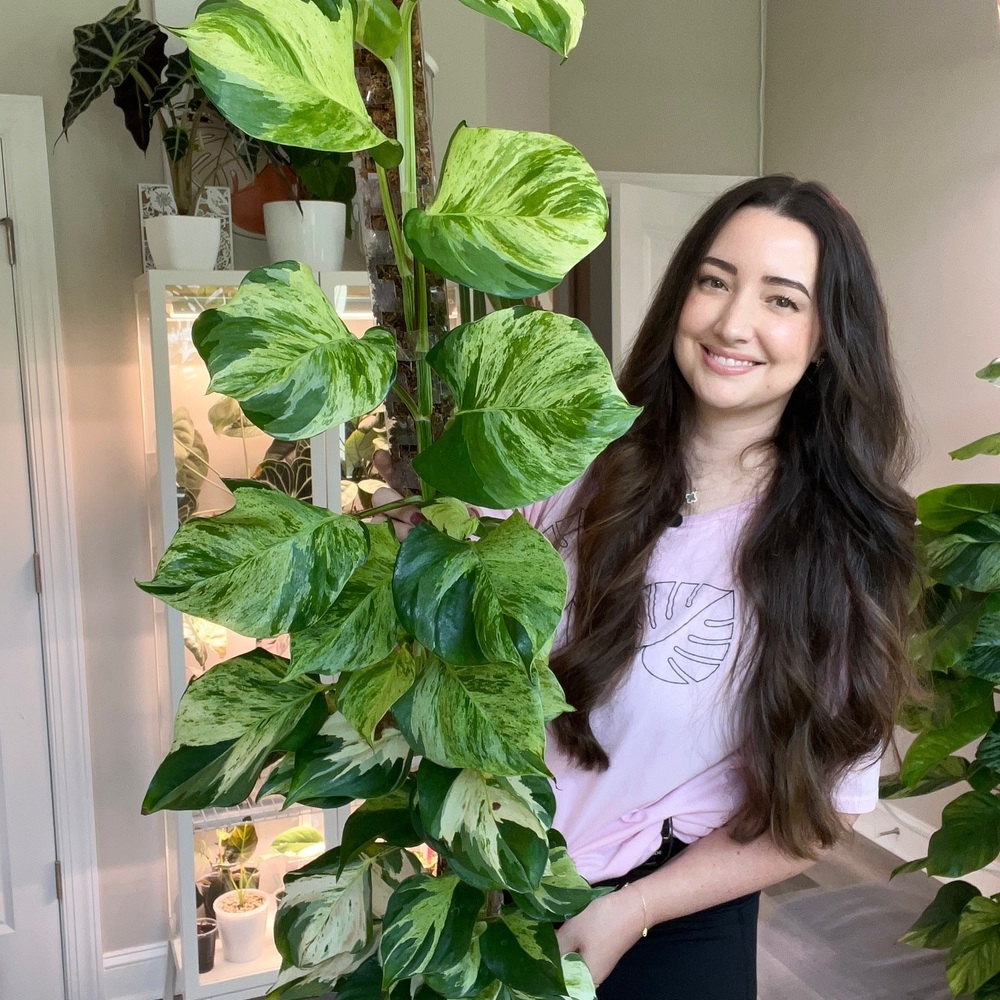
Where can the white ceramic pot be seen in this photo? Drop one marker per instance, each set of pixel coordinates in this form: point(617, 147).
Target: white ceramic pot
point(314, 235)
point(184, 242)
point(242, 933)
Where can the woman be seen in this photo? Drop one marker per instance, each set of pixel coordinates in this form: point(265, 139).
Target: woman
point(739, 566)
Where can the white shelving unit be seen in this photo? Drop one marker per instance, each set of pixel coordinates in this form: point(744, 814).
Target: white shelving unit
point(174, 377)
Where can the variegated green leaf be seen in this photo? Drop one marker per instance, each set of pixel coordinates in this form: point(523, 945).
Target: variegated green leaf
point(563, 892)
point(451, 516)
point(524, 955)
point(579, 982)
point(553, 697)
point(271, 564)
point(278, 778)
point(366, 695)
point(325, 916)
point(492, 830)
point(468, 977)
point(514, 212)
point(377, 26)
point(230, 719)
point(536, 402)
point(486, 717)
point(339, 765)
point(969, 556)
point(494, 600)
point(284, 72)
point(389, 819)
point(974, 958)
point(361, 627)
point(280, 350)
point(294, 983)
point(428, 926)
point(554, 23)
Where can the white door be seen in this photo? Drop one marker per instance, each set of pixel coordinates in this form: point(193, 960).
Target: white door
point(648, 221)
point(31, 965)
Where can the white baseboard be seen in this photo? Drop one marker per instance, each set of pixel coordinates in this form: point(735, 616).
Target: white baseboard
point(906, 836)
point(136, 973)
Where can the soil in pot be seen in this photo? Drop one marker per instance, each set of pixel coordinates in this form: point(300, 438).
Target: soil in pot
point(242, 924)
point(220, 880)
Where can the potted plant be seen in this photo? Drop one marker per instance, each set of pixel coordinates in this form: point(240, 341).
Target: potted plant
point(241, 916)
point(437, 647)
point(958, 654)
point(123, 52)
point(229, 867)
point(312, 225)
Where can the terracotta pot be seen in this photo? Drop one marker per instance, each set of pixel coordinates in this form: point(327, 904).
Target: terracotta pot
point(243, 932)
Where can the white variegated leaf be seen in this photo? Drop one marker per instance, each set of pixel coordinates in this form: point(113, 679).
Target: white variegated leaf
point(271, 564)
point(493, 600)
point(485, 717)
point(554, 23)
point(337, 763)
point(469, 977)
point(279, 349)
point(579, 982)
point(428, 926)
point(365, 696)
point(361, 628)
point(524, 955)
point(283, 71)
point(535, 403)
point(563, 892)
point(491, 829)
point(513, 214)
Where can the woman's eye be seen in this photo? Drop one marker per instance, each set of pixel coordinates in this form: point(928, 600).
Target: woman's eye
point(711, 281)
point(784, 302)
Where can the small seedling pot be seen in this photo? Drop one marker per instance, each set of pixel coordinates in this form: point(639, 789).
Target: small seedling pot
point(243, 931)
point(208, 933)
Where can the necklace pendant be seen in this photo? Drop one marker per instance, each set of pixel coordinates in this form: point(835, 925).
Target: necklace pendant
point(691, 496)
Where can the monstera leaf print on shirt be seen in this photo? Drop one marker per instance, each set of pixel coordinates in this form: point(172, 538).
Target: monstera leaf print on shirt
point(690, 629)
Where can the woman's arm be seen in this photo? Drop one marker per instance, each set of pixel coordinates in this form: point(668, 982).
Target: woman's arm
point(712, 870)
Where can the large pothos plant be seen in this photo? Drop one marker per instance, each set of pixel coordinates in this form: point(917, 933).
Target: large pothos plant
point(433, 650)
point(958, 653)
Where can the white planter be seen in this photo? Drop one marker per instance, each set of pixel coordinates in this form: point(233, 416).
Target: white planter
point(242, 934)
point(184, 242)
point(314, 235)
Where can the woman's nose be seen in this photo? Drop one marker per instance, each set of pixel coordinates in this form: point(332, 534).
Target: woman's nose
point(735, 320)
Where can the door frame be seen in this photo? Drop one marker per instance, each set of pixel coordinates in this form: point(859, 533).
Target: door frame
point(29, 202)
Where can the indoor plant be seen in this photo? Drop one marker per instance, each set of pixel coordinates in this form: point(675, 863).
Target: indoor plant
point(958, 654)
point(123, 52)
point(439, 645)
point(230, 869)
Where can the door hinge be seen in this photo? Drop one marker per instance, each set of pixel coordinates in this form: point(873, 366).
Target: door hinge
point(38, 573)
point(8, 225)
point(59, 885)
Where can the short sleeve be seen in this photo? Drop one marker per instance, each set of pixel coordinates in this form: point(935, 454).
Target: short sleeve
point(857, 791)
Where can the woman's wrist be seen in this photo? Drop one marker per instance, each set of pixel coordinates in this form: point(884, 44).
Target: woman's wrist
point(641, 911)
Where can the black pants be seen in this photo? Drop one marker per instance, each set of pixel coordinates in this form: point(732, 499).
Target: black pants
point(709, 955)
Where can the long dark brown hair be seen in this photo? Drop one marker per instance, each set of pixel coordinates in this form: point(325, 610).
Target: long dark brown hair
point(825, 559)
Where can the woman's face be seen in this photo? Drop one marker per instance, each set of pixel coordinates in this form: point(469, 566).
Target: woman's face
point(749, 327)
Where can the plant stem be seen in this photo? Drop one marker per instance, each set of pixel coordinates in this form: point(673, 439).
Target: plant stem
point(478, 305)
point(399, 249)
point(406, 124)
point(407, 400)
point(362, 515)
point(464, 304)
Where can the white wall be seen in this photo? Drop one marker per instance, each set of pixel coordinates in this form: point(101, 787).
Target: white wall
point(896, 105)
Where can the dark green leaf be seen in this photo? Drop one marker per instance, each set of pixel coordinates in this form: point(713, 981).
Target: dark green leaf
point(988, 751)
point(969, 556)
point(935, 745)
point(388, 818)
point(943, 774)
point(563, 892)
point(949, 507)
point(975, 957)
point(937, 926)
point(917, 865)
point(969, 837)
point(523, 954)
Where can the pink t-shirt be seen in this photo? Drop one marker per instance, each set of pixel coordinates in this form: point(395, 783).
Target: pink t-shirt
point(668, 728)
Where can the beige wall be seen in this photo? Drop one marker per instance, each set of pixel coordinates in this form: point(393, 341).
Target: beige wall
point(896, 105)
point(93, 178)
point(663, 87)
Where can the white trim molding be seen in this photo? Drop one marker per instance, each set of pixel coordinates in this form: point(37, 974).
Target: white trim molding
point(29, 203)
point(135, 973)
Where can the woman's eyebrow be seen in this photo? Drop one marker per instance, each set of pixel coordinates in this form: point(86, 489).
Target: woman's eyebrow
point(769, 279)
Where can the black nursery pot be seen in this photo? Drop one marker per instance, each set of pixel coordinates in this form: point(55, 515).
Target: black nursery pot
point(208, 932)
point(213, 885)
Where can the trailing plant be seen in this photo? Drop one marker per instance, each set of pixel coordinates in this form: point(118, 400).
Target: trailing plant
point(437, 647)
point(958, 655)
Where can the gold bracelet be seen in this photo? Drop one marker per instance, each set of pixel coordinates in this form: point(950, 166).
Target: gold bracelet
point(645, 913)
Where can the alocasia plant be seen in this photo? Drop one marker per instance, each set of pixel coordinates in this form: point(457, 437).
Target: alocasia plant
point(437, 646)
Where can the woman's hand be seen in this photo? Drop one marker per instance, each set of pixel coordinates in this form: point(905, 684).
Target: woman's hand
point(402, 519)
point(604, 931)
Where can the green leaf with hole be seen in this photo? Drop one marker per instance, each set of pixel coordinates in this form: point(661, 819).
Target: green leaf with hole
point(271, 564)
point(524, 955)
point(493, 600)
point(284, 72)
point(360, 628)
point(328, 914)
point(428, 926)
point(562, 892)
point(554, 23)
point(365, 696)
point(513, 214)
point(969, 836)
point(535, 403)
point(975, 956)
point(339, 765)
point(969, 556)
point(279, 349)
point(492, 830)
point(229, 721)
point(937, 926)
point(485, 717)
